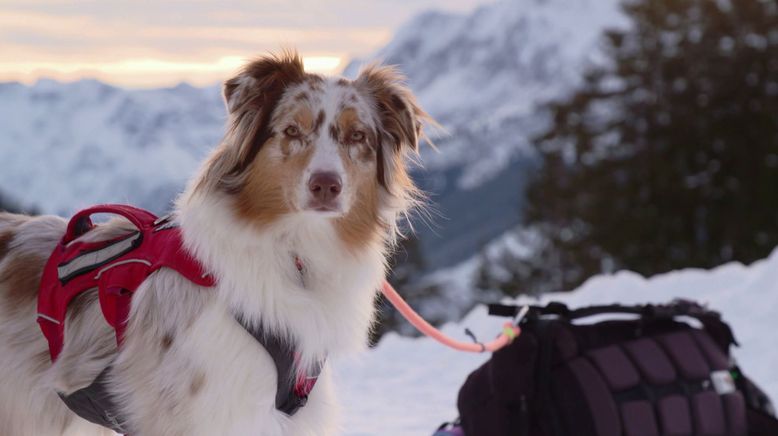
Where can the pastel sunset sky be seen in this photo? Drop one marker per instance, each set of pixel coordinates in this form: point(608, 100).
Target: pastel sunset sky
point(161, 43)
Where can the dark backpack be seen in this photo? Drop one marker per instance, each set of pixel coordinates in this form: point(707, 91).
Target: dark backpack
point(651, 375)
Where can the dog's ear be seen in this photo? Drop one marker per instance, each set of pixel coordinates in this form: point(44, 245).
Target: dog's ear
point(251, 97)
point(400, 116)
point(400, 124)
point(262, 82)
point(234, 89)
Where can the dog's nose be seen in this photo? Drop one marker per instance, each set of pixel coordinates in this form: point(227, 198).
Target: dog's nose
point(324, 186)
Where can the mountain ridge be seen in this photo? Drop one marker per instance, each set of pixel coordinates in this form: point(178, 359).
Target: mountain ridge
point(483, 75)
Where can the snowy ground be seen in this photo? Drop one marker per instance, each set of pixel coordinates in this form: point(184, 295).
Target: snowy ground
point(409, 386)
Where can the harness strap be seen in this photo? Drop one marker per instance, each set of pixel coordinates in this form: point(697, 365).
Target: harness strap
point(294, 384)
point(96, 405)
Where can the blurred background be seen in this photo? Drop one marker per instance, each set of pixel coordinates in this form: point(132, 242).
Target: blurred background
point(584, 136)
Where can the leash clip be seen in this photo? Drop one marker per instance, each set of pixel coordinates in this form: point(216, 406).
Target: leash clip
point(470, 333)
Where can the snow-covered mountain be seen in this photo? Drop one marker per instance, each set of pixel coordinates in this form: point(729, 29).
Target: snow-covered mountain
point(486, 72)
point(64, 146)
point(482, 75)
point(409, 386)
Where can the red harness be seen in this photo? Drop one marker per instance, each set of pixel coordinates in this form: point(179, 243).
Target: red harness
point(117, 268)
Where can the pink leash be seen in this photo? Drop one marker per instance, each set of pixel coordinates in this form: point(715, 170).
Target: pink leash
point(509, 332)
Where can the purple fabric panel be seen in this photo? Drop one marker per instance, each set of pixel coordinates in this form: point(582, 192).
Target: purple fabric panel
point(615, 367)
point(717, 359)
point(686, 355)
point(735, 409)
point(708, 414)
point(601, 405)
point(674, 416)
point(638, 418)
point(566, 345)
point(651, 360)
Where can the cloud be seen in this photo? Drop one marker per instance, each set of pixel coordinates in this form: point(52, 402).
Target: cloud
point(176, 40)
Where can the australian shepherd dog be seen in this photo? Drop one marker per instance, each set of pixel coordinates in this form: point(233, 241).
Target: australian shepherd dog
point(293, 213)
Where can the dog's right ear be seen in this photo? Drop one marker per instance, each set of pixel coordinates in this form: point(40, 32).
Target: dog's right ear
point(251, 98)
point(234, 88)
point(262, 82)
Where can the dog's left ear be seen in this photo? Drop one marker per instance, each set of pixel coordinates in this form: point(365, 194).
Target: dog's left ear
point(400, 121)
point(400, 115)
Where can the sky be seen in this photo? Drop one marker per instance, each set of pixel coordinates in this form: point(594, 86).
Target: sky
point(142, 44)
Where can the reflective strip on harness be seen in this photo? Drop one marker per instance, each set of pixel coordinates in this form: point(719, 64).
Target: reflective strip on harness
point(94, 259)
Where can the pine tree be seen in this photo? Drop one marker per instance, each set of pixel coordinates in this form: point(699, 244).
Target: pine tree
point(667, 155)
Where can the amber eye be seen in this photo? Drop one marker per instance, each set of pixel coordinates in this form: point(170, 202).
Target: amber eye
point(292, 132)
point(357, 136)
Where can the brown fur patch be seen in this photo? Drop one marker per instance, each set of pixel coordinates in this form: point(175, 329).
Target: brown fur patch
point(5, 242)
point(319, 121)
point(334, 132)
point(263, 199)
point(348, 119)
point(198, 381)
point(20, 278)
point(348, 122)
point(304, 118)
point(361, 225)
point(314, 82)
point(286, 145)
point(166, 342)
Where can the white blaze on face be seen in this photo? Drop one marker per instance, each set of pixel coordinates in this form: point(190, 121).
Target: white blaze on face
point(326, 156)
point(326, 161)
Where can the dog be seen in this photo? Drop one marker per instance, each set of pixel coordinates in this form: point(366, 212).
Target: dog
point(293, 213)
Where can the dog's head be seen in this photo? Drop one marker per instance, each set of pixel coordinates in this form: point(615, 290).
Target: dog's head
point(327, 148)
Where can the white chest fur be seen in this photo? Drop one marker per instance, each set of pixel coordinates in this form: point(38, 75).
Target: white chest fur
point(326, 310)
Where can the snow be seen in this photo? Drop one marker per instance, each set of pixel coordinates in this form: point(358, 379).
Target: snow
point(408, 386)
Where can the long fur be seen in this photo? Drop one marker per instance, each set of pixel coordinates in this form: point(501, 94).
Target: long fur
point(186, 366)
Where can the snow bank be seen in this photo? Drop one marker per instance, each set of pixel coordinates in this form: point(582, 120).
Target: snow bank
point(408, 386)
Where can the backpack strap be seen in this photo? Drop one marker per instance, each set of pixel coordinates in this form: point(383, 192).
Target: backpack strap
point(544, 404)
point(678, 307)
point(711, 320)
